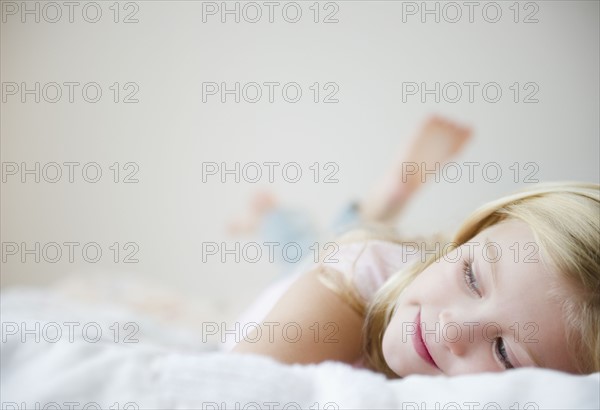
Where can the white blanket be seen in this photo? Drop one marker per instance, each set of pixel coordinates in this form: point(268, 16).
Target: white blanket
point(159, 372)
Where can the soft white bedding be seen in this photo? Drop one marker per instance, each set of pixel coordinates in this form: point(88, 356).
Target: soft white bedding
point(164, 371)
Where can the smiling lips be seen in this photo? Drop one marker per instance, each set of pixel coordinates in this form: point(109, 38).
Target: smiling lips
point(419, 343)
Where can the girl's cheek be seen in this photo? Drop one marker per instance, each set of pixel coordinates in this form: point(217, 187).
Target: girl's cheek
point(392, 342)
point(438, 278)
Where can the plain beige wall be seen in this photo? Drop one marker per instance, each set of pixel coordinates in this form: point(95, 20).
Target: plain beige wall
point(170, 132)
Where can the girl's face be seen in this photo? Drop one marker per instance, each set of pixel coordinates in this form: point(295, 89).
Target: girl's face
point(484, 307)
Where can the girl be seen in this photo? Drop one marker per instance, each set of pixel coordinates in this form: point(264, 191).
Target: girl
point(518, 285)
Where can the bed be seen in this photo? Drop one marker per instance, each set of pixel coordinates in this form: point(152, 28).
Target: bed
point(163, 366)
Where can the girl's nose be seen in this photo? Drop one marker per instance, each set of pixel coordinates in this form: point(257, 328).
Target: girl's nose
point(457, 335)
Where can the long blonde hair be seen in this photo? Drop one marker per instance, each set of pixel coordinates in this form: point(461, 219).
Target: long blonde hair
point(565, 220)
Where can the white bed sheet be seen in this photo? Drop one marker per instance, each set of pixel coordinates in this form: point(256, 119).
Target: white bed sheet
point(164, 372)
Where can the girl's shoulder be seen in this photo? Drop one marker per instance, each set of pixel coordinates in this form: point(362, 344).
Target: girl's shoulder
point(368, 264)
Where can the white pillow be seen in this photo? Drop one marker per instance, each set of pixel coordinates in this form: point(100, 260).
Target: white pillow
point(161, 376)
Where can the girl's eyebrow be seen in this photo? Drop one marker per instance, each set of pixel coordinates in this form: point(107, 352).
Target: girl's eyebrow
point(533, 357)
point(494, 258)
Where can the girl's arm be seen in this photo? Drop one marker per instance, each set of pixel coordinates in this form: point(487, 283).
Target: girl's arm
point(309, 324)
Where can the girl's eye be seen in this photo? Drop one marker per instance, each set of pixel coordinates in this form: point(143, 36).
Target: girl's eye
point(500, 351)
point(470, 277)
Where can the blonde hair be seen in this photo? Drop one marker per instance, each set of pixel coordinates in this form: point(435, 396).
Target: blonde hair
point(565, 220)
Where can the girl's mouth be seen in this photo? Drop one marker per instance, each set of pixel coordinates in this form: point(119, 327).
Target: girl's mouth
point(419, 342)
